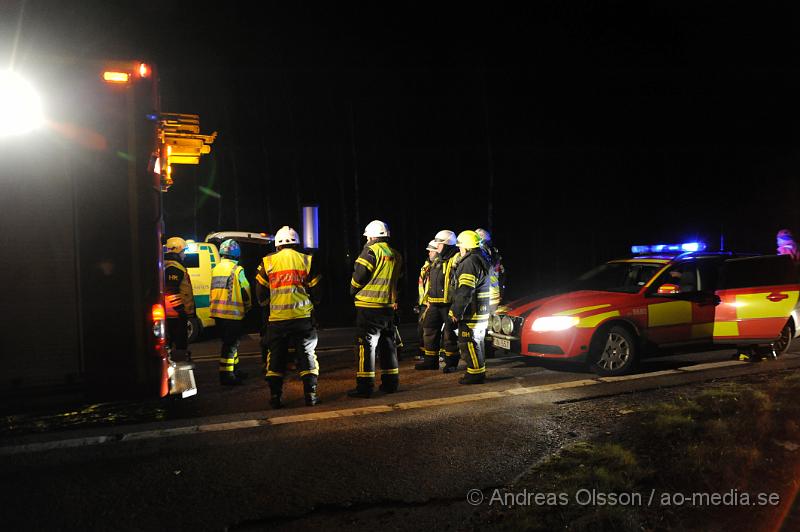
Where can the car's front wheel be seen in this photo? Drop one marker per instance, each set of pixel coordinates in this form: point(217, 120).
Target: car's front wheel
point(614, 352)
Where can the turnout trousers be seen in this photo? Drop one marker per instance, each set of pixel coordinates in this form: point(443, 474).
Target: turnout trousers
point(229, 332)
point(438, 334)
point(375, 337)
point(288, 339)
point(470, 344)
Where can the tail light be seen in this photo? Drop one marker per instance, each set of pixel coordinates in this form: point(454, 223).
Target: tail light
point(159, 326)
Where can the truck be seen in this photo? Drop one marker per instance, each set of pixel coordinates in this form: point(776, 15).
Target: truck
point(85, 156)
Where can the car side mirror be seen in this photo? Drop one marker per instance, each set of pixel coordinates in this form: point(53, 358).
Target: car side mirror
point(668, 289)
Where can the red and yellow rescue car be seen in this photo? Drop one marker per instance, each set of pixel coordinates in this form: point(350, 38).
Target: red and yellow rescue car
point(668, 299)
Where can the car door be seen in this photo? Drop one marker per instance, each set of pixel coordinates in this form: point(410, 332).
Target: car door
point(686, 316)
point(757, 296)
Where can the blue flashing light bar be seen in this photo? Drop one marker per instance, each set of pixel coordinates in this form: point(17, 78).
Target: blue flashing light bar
point(669, 248)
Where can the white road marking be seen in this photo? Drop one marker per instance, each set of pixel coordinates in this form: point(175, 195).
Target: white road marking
point(640, 375)
point(551, 387)
point(712, 365)
point(346, 412)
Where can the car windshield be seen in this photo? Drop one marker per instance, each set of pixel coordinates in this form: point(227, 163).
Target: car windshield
point(628, 277)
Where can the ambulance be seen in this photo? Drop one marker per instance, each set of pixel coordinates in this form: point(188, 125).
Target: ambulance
point(668, 298)
point(199, 261)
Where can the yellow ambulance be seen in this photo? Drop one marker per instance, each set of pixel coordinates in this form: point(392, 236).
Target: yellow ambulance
point(200, 259)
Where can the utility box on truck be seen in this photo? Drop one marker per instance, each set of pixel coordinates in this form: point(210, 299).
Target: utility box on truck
point(80, 211)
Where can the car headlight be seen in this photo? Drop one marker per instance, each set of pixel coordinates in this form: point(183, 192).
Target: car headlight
point(554, 323)
point(496, 323)
point(506, 325)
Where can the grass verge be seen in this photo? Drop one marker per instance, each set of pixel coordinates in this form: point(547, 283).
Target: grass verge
point(721, 458)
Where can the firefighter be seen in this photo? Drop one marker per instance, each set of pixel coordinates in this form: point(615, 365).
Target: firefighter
point(497, 277)
point(230, 301)
point(787, 245)
point(288, 286)
point(437, 328)
point(179, 298)
point(374, 288)
point(422, 287)
point(498, 272)
point(470, 308)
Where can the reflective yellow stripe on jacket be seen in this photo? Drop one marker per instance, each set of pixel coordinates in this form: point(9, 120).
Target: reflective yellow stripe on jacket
point(226, 291)
point(287, 271)
point(379, 291)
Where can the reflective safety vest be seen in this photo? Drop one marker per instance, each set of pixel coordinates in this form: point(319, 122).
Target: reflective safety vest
point(494, 287)
point(178, 294)
point(424, 282)
point(227, 282)
point(287, 272)
point(381, 290)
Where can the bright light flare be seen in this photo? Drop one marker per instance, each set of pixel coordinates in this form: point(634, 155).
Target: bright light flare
point(554, 323)
point(116, 77)
point(20, 105)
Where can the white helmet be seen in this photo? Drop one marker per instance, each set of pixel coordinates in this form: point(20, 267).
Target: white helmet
point(484, 234)
point(375, 229)
point(285, 236)
point(432, 246)
point(445, 236)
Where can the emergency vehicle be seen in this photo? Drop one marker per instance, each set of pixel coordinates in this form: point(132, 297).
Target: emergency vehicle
point(666, 299)
point(200, 259)
point(85, 155)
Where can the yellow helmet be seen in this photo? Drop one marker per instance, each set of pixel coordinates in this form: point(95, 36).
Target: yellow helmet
point(175, 244)
point(468, 240)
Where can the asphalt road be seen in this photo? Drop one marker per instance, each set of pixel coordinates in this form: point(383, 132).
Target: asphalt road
point(223, 460)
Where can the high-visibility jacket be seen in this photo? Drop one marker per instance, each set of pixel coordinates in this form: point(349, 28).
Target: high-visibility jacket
point(442, 269)
point(230, 291)
point(285, 274)
point(375, 274)
point(423, 282)
point(496, 275)
point(178, 294)
point(471, 298)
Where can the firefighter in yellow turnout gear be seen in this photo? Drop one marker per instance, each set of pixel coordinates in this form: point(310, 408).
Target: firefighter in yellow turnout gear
point(287, 283)
point(423, 284)
point(470, 308)
point(179, 298)
point(437, 328)
point(230, 301)
point(374, 288)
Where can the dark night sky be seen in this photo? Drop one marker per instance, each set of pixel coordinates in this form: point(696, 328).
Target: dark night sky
point(604, 124)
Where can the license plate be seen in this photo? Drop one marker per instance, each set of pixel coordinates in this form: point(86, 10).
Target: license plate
point(502, 343)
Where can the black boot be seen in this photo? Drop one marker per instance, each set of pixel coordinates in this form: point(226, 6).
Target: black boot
point(312, 399)
point(228, 378)
point(469, 378)
point(275, 391)
point(430, 362)
point(389, 383)
point(363, 389)
point(240, 373)
point(275, 401)
point(450, 364)
point(310, 390)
